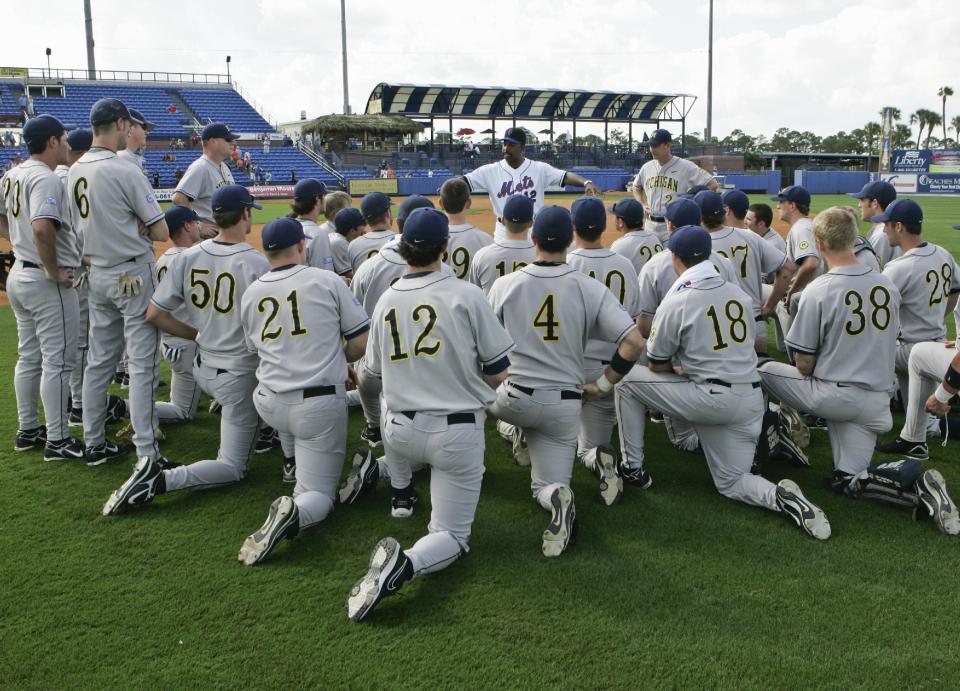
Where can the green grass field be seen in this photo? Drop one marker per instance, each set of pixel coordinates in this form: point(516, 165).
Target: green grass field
point(675, 587)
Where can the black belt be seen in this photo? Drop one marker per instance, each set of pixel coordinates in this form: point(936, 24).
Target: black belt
point(452, 418)
point(315, 391)
point(199, 362)
point(759, 318)
point(564, 395)
point(718, 382)
point(657, 219)
point(30, 265)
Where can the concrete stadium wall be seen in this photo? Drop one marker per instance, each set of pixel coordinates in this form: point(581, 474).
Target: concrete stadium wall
point(831, 181)
point(767, 182)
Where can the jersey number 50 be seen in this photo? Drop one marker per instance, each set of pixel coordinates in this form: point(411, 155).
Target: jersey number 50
point(222, 294)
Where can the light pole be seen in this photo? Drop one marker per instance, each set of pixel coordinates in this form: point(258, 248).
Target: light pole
point(228, 70)
point(343, 43)
point(709, 131)
point(48, 62)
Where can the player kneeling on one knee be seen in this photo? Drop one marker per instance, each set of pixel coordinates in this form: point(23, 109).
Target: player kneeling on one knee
point(440, 352)
point(840, 380)
point(552, 310)
point(705, 327)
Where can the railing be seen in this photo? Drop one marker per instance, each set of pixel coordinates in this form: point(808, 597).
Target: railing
point(41, 75)
point(256, 106)
point(320, 161)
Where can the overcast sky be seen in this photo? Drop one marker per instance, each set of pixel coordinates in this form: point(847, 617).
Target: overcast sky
point(820, 65)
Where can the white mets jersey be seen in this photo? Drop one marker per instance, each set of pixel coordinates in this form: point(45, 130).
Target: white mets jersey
point(500, 182)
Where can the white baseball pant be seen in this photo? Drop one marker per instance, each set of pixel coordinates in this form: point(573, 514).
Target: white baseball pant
point(184, 389)
point(597, 420)
point(47, 315)
point(658, 227)
point(855, 416)
point(927, 364)
point(370, 388)
point(76, 376)
point(454, 451)
point(726, 418)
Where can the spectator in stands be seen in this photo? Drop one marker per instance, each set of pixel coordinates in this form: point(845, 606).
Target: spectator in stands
point(266, 143)
point(156, 180)
point(23, 103)
point(177, 174)
point(293, 177)
point(267, 178)
point(194, 140)
point(390, 173)
point(247, 158)
point(171, 108)
point(8, 139)
point(234, 156)
point(429, 172)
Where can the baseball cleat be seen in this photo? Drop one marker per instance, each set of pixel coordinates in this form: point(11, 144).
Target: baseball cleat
point(101, 453)
point(807, 515)
point(28, 439)
point(141, 487)
point(166, 464)
point(283, 521)
point(76, 417)
point(611, 484)
point(563, 516)
point(389, 569)
point(215, 407)
point(364, 473)
point(267, 440)
point(403, 501)
point(633, 475)
point(371, 436)
point(505, 430)
point(916, 450)
point(116, 409)
point(125, 381)
point(932, 492)
point(118, 377)
point(289, 470)
point(126, 433)
point(65, 449)
point(787, 450)
point(656, 417)
point(814, 422)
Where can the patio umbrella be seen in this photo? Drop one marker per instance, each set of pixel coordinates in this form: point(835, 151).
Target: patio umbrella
point(465, 130)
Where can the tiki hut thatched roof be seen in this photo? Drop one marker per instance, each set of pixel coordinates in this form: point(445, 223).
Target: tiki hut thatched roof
point(353, 125)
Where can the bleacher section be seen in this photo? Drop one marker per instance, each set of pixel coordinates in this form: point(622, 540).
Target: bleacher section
point(224, 105)
point(9, 110)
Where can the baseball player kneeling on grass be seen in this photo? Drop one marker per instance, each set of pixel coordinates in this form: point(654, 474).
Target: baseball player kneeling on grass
point(839, 379)
point(703, 368)
point(551, 311)
point(465, 239)
point(210, 280)
point(512, 252)
point(294, 318)
point(440, 352)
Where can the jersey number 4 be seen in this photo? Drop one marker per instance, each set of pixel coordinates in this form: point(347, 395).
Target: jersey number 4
point(546, 320)
point(425, 314)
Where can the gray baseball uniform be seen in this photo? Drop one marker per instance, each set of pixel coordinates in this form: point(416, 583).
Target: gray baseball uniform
point(865, 254)
point(294, 318)
point(339, 249)
point(849, 319)
point(886, 252)
point(705, 327)
point(366, 246)
point(431, 338)
point(83, 289)
point(202, 179)
point(551, 311)
point(109, 200)
point(662, 184)
point(210, 279)
point(499, 259)
point(775, 239)
point(319, 253)
point(800, 246)
point(616, 272)
point(752, 259)
point(927, 364)
point(464, 243)
point(638, 246)
point(133, 158)
point(47, 313)
point(180, 354)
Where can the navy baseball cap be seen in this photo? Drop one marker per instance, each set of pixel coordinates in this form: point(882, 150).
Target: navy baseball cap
point(690, 242)
point(347, 219)
point(881, 190)
point(957, 227)
point(630, 210)
point(904, 211)
point(518, 209)
point(281, 233)
point(515, 135)
point(139, 118)
point(408, 205)
point(80, 140)
point(233, 198)
point(41, 128)
point(108, 110)
point(309, 188)
point(217, 130)
point(374, 204)
point(683, 212)
point(793, 193)
point(588, 213)
point(426, 227)
point(738, 201)
point(178, 216)
point(658, 137)
point(553, 223)
point(710, 202)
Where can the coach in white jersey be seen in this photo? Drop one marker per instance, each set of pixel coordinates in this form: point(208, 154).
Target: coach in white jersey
point(465, 239)
point(305, 327)
point(440, 352)
point(376, 208)
point(136, 140)
point(704, 328)
point(180, 353)
point(663, 179)
point(929, 283)
point(551, 311)
point(208, 173)
point(210, 280)
point(510, 254)
point(636, 244)
point(119, 218)
point(307, 204)
point(515, 174)
point(616, 272)
point(874, 198)
point(840, 380)
point(34, 216)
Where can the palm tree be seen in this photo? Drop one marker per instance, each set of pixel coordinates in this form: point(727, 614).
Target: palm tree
point(933, 119)
point(925, 119)
point(955, 124)
point(943, 93)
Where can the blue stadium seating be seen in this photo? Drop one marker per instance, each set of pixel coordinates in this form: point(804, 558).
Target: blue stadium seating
point(8, 102)
point(224, 105)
